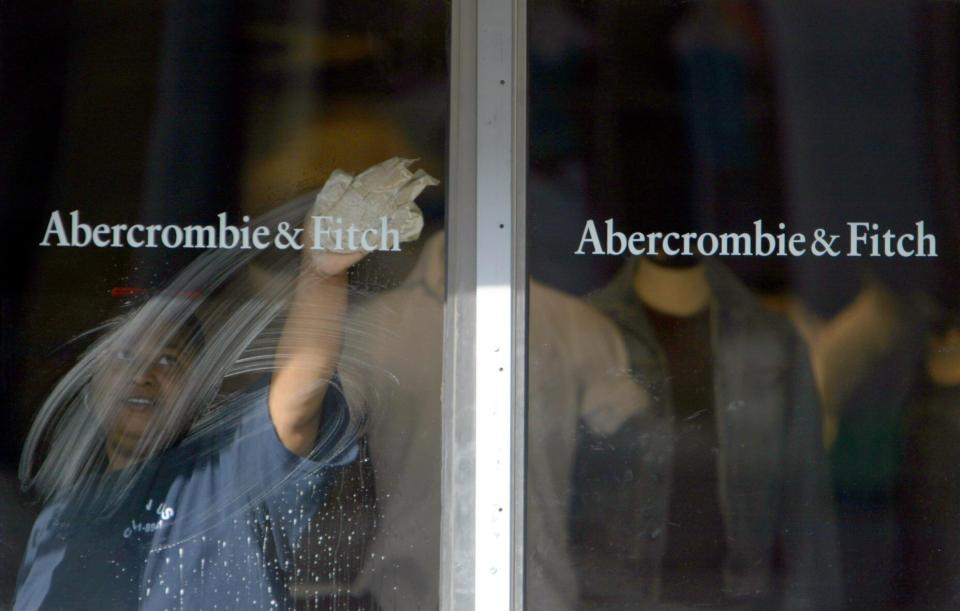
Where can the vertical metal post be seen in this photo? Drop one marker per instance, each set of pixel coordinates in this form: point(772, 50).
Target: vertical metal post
point(484, 342)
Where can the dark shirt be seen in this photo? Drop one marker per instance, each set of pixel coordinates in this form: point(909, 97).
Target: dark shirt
point(210, 523)
point(692, 561)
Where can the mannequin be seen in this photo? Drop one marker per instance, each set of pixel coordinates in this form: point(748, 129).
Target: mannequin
point(730, 501)
point(674, 289)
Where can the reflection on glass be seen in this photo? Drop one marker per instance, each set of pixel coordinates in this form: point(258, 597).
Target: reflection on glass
point(794, 453)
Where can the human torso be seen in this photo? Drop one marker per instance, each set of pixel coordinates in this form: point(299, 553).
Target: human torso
point(207, 524)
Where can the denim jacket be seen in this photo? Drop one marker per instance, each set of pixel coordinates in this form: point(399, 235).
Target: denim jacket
point(774, 488)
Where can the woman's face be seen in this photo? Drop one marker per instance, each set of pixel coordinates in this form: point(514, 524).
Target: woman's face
point(134, 391)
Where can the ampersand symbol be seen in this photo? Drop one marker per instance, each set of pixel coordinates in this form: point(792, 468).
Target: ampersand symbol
point(289, 239)
point(823, 246)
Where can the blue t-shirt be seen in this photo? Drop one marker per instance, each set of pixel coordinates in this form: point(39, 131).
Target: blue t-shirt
point(210, 523)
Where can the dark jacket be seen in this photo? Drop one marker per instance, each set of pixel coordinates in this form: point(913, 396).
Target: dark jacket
point(774, 488)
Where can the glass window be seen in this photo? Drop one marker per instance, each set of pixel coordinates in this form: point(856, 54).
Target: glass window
point(208, 414)
point(676, 328)
point(741, 229)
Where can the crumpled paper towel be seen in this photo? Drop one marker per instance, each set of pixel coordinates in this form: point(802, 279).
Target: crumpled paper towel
point(387, 189)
